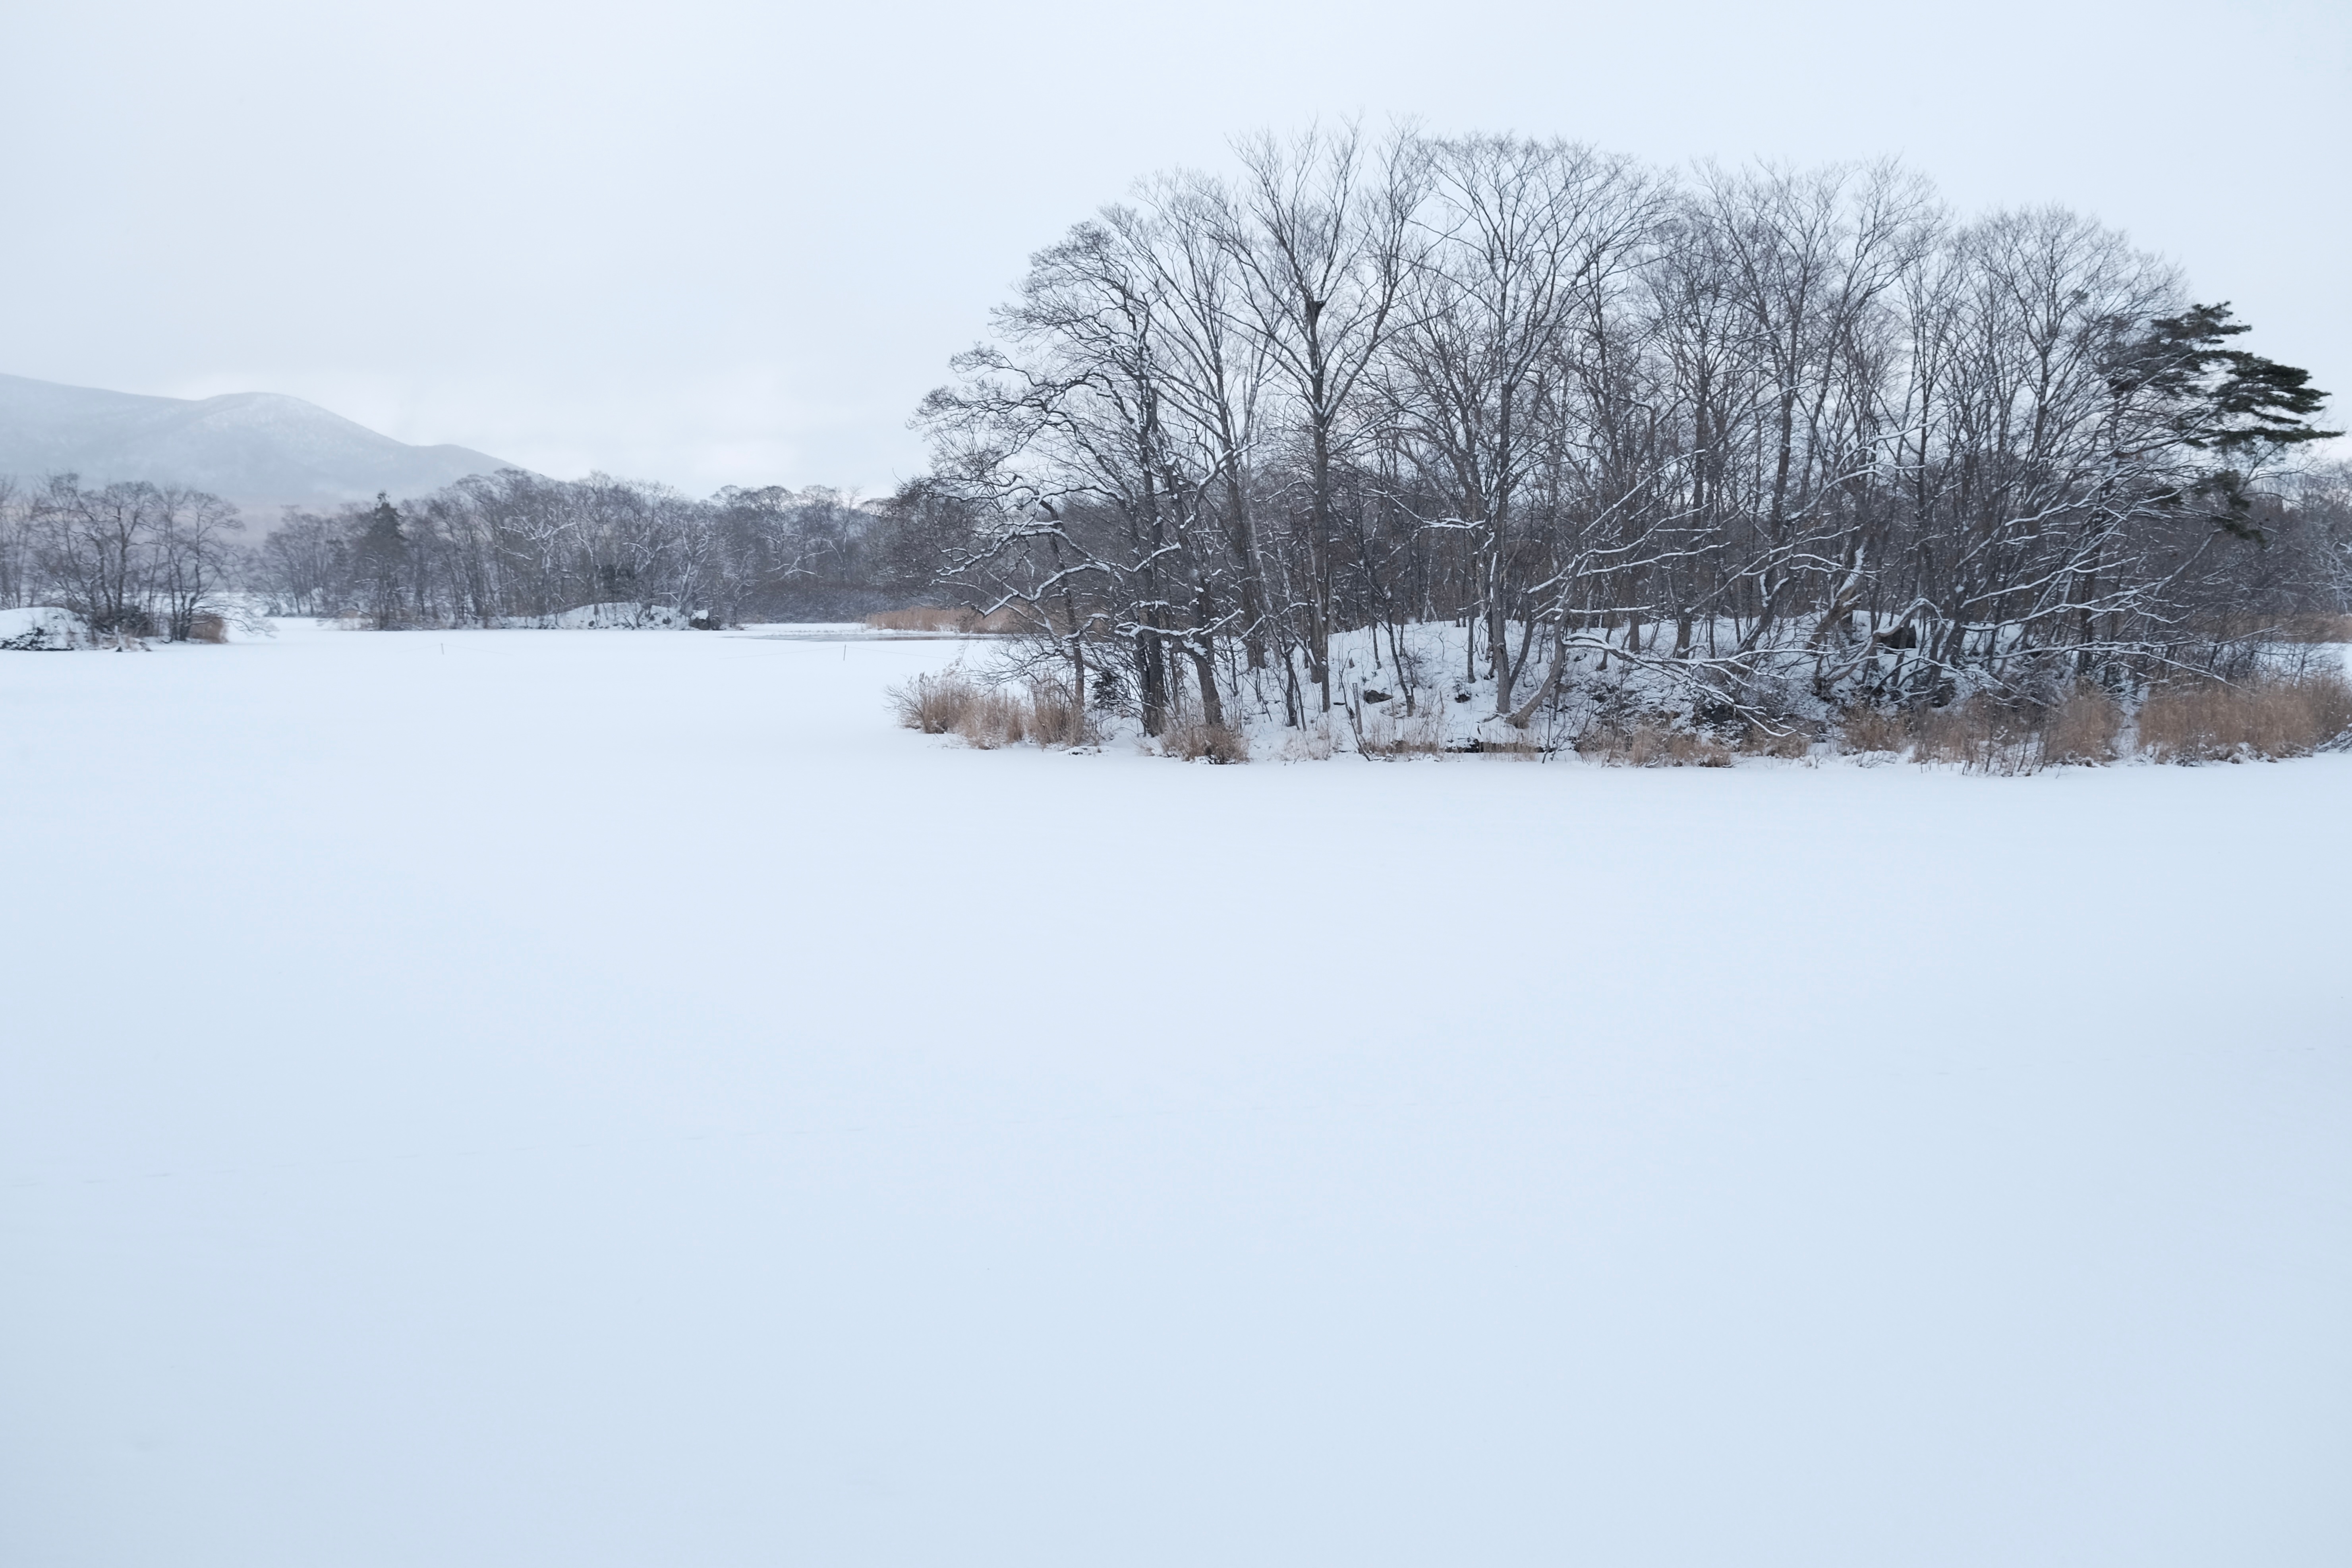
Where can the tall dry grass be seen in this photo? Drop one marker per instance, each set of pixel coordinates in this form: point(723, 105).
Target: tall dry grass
point(2279, 715)
point(1057, 717)
point(1987, 734)
point(993, 718)
point(1206, 743)
point(1651, 744)
point(942, 618)
point(987, 717)
point(1394, 734)
point(1311, 744)
point(1866, 731)
point(2212, 721)
point(1978, 735)
point(2083, 727)
point(1789, 742)
point(2187, 722)
point(934, 704)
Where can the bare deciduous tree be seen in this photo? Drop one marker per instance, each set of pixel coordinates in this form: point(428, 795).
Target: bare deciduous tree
point(1754, 432)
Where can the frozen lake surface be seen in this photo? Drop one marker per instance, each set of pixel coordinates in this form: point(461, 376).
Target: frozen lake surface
point(520, 1097)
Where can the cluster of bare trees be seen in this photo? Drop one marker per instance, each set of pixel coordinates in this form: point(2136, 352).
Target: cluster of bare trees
point(133, 559)
point(515, 548)
point(1749, 431)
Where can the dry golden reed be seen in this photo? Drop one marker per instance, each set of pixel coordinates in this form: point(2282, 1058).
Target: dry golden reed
point(934, 704)
point(1394, 734)
point(2081, 727)
point(941, 618)
point(2187, 722)
point(1652, 746)
point(2212, 721)
point(1206, 743)
point(1865, 731)
point(1057, 718)
point(952, 703)
point(1756, 740)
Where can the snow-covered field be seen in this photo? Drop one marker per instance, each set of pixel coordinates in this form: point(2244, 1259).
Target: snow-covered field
point(580, 1099)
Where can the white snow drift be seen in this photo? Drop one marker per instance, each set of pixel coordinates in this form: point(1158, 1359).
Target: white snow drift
point(493, 1098)
point(37, 628)
point(618, 614)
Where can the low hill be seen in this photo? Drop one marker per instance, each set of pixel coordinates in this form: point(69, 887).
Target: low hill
point(260, 450)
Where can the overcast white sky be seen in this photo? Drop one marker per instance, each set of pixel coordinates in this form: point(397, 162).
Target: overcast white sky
point(708, 242)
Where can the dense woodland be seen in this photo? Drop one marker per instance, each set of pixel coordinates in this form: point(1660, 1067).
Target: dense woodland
point(1744, 431)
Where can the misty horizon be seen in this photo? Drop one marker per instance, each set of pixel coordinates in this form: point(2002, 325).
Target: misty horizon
point(740, 249)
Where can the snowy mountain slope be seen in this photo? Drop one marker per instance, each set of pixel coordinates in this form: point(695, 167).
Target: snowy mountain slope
point(259, 449)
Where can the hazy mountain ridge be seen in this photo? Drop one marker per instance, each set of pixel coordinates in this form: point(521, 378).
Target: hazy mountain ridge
point(262, 450)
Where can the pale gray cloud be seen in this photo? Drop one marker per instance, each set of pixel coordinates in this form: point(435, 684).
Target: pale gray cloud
point(714, 243)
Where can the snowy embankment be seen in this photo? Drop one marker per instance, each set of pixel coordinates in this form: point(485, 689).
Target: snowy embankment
point(43, 628)
point(618, 614)
point(1432, 688)
point(482, 1098)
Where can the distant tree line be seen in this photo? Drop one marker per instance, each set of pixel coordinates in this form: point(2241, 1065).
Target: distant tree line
point(1744, 429)
point(513, 547)
point(504, 549)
